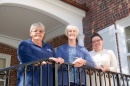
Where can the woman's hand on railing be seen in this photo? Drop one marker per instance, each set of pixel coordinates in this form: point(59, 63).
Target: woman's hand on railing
point(60, 60)
point(105, 68)
point(57, 60)
point(44, 63)
point(79, 62)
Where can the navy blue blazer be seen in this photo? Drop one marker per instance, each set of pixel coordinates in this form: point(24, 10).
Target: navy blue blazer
point(27, 52)
point(63, 52)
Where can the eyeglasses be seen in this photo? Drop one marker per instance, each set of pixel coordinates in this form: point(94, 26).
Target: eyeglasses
point(40, 31)
point(98, 40)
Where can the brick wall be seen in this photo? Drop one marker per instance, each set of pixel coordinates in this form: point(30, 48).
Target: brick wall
point(6, 49)
point(101, 14)
point(58, 41)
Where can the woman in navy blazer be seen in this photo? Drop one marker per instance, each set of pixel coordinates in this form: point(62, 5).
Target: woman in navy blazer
point(75, 54)
point(35, 49)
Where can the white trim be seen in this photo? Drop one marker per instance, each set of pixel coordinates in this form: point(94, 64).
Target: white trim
point(128, 40)
point(51, 34)
point(9, 40)
point(56, 9)
point(121, 25)
point(106, 29)
point(128, 54)
point(67, 7)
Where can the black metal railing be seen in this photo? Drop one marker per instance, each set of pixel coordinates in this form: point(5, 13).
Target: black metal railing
point(62, 75)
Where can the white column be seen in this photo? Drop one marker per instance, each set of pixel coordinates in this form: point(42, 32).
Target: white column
point(80, 39)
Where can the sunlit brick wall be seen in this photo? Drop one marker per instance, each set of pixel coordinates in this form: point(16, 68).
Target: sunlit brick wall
point(103, 13)
point(58, 41)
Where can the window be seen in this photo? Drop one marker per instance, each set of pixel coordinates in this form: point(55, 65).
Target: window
point(4, 62)
point(127, 36)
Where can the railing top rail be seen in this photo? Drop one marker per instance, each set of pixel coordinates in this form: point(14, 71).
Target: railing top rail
point(49, 60)
point(25, 64)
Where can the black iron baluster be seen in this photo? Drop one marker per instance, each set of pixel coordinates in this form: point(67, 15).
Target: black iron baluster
point(47, 65)
point(74, 75)
point(118, 82)
point(90, 77)
point(56, 74)
point(95, 78)
point(7, 78)
point(68, 69)
point(80, 76)
point(33, 75)
point(114, 79)
point(25, 73)
point(122, 77)
point(100, 75)
point(85, 77)
point(109, 78)
point(127, 80)
point(104, 78)
point(62, 74)
point(40, 73)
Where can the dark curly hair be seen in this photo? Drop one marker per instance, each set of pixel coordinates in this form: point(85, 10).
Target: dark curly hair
point(95, 34)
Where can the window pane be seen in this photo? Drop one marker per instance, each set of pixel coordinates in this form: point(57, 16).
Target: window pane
point(1, 83)
point(128, 46)
point(127, 33)
point(2, 63)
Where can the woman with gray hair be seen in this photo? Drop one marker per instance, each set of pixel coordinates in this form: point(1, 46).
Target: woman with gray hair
point(73, 53)
point(35, 49)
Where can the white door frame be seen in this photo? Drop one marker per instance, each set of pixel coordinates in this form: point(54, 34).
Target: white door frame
point(120, 26)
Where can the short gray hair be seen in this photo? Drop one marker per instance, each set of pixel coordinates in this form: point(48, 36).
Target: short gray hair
point(34, 25)
point(69, 28)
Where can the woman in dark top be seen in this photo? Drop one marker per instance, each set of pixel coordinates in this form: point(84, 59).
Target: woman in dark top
point(31, 50)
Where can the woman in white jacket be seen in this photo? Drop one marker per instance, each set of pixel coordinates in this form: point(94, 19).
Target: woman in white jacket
point(104, 59)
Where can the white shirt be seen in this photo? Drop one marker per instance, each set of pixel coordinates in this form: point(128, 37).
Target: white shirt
point(105, 58)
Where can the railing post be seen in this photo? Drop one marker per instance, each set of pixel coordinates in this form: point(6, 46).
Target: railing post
point(127, 81)
point(80, 77)
point(109, 77)
point(114, 79)
point(68, 70)
point(40, 73)
point(95, 73)
point(7, 78)
point(90, 77)
point(118, 82)
point(56, 74)
point(100, 78)
point(25, 74)
point(33, 75)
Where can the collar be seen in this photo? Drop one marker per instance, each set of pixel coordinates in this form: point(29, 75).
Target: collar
point(31, 42)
